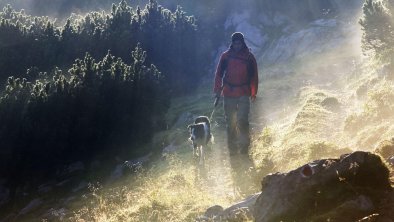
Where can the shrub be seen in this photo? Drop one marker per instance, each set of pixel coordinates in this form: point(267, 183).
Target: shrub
point(64, 117)
point(170, 39)
point(377, 25)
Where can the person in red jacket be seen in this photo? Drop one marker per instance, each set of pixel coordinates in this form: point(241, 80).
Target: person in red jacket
point(236, 78)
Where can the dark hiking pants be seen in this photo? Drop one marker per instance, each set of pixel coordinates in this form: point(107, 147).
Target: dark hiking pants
point(236, 111)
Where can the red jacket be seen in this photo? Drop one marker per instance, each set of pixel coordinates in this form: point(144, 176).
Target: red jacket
point(232, 74)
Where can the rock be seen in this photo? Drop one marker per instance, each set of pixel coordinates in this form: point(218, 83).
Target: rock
point(284, 18)
point(386, 207)
point(214, 211)
point(349, 210)
point(351, 182)
point(240, 211)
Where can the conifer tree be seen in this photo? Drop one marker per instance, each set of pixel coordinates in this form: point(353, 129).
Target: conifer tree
point(377, 24)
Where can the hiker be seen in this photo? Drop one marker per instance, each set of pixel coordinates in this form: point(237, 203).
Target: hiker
point(236, 78)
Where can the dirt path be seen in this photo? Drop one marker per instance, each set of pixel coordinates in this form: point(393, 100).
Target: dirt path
point(225, 177)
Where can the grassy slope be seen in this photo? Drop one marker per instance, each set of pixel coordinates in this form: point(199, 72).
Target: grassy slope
point(175, 188)
point(303, 113)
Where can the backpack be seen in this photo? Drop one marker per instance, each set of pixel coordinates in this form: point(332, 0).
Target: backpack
point(250, 70)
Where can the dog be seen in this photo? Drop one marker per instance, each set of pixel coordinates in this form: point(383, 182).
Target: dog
point(200, 135)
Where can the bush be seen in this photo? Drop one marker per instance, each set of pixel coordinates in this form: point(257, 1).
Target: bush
point(64, 117)
point(170, 39)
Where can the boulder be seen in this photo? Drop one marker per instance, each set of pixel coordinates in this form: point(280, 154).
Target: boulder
point(240, 211)
point(213, 211)
point(344, 189)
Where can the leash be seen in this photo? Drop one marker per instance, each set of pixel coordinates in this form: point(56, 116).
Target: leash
point(213, 111)
point(214, 107)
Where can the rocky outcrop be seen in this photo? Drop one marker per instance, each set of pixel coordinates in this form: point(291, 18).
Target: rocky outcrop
point(344, 189)
point(283, 30)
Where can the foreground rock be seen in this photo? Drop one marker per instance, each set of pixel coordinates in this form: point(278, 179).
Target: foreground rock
point(240, 211)
point(345, 189)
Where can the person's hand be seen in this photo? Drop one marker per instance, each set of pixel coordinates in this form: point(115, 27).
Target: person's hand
point(253, 99)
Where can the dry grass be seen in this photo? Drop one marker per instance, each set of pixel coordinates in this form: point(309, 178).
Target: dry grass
point(169, 191)
point(319, 122)
point(175, 189)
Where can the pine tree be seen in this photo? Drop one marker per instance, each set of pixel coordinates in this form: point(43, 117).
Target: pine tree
point(377, 25)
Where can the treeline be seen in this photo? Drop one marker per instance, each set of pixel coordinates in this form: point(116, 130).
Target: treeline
point(170, 39)
point(57, 109)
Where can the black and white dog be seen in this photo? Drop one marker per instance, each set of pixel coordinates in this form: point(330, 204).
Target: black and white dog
point(200, 135)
